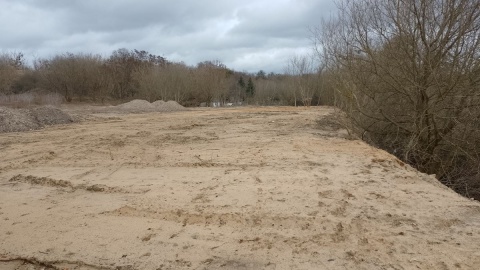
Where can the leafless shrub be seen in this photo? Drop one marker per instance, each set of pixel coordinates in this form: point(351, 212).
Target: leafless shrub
point(11, 67)
point(172, 81)
point(304, 78)
point(274, 90)
point(407, 74)
point(30, 99)
point(78, 76)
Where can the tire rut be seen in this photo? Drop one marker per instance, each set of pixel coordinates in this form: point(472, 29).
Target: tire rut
point(49, 182)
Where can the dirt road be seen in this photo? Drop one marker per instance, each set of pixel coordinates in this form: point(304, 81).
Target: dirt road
point(238, 188)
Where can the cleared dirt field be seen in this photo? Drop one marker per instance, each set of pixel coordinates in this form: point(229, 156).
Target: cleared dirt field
point(238, 188)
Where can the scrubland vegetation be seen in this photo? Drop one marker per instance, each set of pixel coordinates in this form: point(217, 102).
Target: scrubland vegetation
point(406, 74)
point(128, 74)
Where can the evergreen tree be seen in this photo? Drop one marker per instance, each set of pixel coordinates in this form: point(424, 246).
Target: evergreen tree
point(261, 75)
point(250, 88)
point(241, 83)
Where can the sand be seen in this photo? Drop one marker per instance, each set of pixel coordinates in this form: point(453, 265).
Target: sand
point(237, 188)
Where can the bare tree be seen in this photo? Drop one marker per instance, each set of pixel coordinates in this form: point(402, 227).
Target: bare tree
point(82, 75)
point(211, 82)
point(169, 82)
point(11, 68)
point(303, 78)
point(408, 74)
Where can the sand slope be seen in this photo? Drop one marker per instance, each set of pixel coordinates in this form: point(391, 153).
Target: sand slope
point(242, 188)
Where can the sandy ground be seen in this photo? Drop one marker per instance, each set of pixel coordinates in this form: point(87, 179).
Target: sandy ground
point(238, 188)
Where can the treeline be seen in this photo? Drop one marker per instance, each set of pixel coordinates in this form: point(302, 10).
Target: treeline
point(128, 74)
point(407, 74)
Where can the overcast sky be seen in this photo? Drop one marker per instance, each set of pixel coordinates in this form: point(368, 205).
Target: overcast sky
point(245, 35)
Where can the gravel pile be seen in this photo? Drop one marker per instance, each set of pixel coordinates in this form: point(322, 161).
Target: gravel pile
point(50, 116)
point(15, 120)
point(158, 103)
point(140, 106)
point(169, 106)
point(136, 105)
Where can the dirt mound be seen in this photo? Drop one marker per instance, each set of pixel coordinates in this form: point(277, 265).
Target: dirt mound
point(169, 106)
point(15, 120)
point(141, 106)
point(50, 116)
point(136, 105)
point(158, 103)
point(12, 120)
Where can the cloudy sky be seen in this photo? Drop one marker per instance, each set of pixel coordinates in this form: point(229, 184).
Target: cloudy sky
point(246, 35)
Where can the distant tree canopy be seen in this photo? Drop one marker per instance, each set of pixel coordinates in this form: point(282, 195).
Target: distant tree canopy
point(261, 75)
point(241, 83)
point(128, 74)
point(12, 67)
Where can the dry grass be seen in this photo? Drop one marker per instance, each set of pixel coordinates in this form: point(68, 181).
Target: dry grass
point(30, 99)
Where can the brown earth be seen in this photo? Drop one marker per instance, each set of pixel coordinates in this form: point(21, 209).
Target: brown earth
point(238, 188)
point(26, 119)
point(37, 117)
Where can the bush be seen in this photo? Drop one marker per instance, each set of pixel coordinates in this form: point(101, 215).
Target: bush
point(411, 90)
point(36, 97)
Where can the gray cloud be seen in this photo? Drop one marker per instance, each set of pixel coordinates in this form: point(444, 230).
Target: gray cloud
point(246, 35)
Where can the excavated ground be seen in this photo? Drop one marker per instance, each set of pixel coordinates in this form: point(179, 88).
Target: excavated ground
point(237, 188)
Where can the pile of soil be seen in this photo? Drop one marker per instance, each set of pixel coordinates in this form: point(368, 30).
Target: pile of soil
point(169, 106)
point(136, 105)
point(15, 120)
point(141, 106)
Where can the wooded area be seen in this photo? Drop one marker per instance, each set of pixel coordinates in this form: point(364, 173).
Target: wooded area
point(128, 74)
